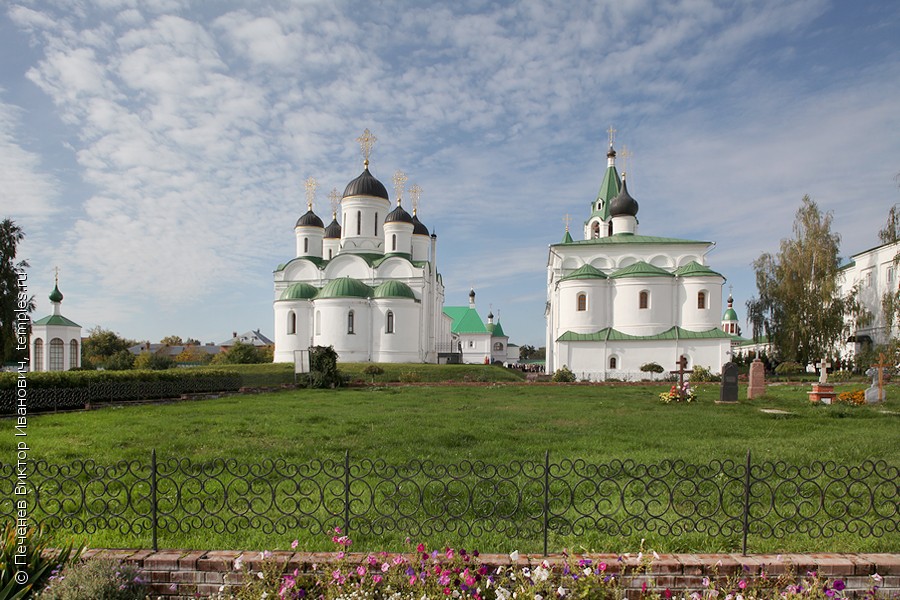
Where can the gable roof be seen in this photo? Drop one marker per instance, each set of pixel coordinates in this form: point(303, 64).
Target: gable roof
point(695, 269)
point(57, 320)
point(465, 320)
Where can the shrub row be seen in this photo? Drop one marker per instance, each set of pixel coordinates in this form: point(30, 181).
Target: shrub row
point(73, 389)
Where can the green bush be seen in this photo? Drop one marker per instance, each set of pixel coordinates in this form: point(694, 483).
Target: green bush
point(153, 361)
point(701, 374)
point(409, 377)
point(563, 375)
point(242, 354)
point(40, 562)
point(373, 370)
point(789, 368)
point(652, 367)
point(96, 579)
point(323, 371)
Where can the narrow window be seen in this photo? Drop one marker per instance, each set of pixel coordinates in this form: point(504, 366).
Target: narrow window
point(471, 344)
point(393, 242)
point(613, 363)
point(359, 222)
point(582, 302)
point(596, 231)
point(329, 253)
point(390, 322)
point(376, 224)
point(292, 323)
point(350, 322)
point(609, 230)
point(890, 274)
point(701, 300)
point(56, 354)
point(73, 354)
point(644, 299)
point(305, 245)
point(39, 354)
point(318, 323)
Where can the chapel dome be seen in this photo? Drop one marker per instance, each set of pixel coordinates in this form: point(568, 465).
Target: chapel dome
point(56, 295)
point(333, 231)
point(398, 215)
point(394, 289)
point(345, 287)
point(418, 227)
point(310, 219)
point(366, 185)
point(623, 204)
point(299, 291)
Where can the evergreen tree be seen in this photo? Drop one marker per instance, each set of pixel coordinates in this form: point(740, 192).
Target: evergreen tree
point(799, 306)
point(10, 236)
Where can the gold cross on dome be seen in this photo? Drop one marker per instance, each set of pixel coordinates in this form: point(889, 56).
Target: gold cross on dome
point(415, 192)
point(400, 180)
point(366, 142)
point(334, 199)
point(612, 135)
point(311, 185)
point(567, 219)
point(625, 154)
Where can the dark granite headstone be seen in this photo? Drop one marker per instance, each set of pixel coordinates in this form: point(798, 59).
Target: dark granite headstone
point(729, 390)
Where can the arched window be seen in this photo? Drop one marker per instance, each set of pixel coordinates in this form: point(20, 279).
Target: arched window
point(498, 346)
point(644, 299)
point(318, 323)
point(609, 229)
point(389, 326)
point(613, 363)
point(359, 222)
point(701, 300)
point(393, 242)
point(305, 245)
point(595, 233)
point(581, 302)
point(56, 354)
point(38, 354)
point(73, 354)
point(350, 322)
point(292, 323)
point(376, 224)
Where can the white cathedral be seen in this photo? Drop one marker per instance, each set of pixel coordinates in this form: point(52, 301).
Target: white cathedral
point(369, 285)
point(617, 300)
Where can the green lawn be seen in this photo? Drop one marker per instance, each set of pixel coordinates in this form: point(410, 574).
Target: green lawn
point(496, 424)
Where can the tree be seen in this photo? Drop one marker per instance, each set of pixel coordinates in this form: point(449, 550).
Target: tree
point(172, 340)
point(890, 300)
point(153, 361)
point(526, 351)
point(101, 346)
point(799, 306)
point(239, 354)
point(193, 354)
point(11, 299)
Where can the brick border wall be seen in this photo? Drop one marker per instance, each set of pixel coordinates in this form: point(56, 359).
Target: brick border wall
point(177, 574)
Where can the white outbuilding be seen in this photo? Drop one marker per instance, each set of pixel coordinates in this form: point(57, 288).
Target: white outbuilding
point(55, 340)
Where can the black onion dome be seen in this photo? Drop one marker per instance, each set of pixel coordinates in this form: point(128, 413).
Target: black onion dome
point(418, 227)
point(623, 204)
point(611, 153)
point(333, 230)
point(366, 185)
point(398, 215)
point(310, 219)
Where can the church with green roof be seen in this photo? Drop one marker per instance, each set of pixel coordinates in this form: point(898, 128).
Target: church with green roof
point(367, 283)
point(618, 299)
point(55, 343)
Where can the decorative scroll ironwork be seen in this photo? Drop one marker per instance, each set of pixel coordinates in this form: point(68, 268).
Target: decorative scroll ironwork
point(422, 499)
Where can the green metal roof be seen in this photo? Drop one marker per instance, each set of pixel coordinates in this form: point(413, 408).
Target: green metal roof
point(730, 315)
point(628, 238)
point(394, 289)
point(609, 189)
point(641, 269)
point(614, 335)
point(695, 269)
point(495, 329)
point(567, 238)
point(585, 271)
point(345, 287)
point(465, 320)
point(56, 320)
point(299, 291)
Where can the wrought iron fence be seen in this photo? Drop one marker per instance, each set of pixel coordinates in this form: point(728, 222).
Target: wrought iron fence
point(527, 499)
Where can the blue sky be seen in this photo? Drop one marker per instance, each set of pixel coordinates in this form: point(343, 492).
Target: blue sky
point(156, 150)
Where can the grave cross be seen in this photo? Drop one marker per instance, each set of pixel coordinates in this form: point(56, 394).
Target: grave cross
point(881, 365)
point(680, 371)
point(823, 371)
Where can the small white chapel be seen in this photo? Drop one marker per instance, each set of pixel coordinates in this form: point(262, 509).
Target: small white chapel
point(55, 340)
point(618, 299)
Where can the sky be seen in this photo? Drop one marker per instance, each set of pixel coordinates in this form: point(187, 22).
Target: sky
point(155, 151)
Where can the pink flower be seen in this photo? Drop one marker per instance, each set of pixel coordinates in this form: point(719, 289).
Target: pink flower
point(449, 553)
point(602, 566)
point(385, 567)
point(742, 584)
point(360, 570)
point(420, 547)
point(412, 580)
point(294, 544)
point(376, 578)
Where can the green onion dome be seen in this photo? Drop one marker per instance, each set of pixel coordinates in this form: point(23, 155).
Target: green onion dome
point(394, 289)
point(345, 287)
point(299, 291)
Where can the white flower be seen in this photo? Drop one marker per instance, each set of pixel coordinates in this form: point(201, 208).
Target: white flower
point(239, 562)
point(538, 597)
point(514, 555)
point(655, 555)
point(260, 575)
point(877, 577)
point(587, 570)
point(561, 592)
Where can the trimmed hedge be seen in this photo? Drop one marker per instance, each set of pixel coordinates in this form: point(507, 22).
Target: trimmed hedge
point(74, 389)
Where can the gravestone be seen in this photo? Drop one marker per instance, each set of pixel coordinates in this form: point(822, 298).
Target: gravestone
point(757, 382)
point(728, 392)
point(823, 391)
point(875, 392)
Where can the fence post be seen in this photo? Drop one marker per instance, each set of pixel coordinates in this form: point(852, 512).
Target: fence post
point(153, 508)
point(746, 504)
point(347, 492)
point(546, 498)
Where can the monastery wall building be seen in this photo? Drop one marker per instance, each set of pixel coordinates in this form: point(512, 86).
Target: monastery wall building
point(618, 299)
point(367, 285)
